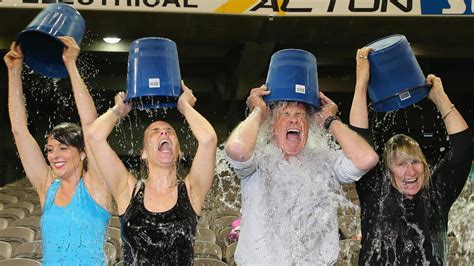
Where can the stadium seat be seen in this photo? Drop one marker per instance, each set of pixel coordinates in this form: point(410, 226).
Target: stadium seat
point(5, 250)
point(229, 253)
point(204, 234)
point(111, 253)
point(115, 238)
point(17, 235)
point(20, 262)
point(221, 238)
point(208, 262)
point(12, 214)
point(28, 207)
point(32, 222)
point(3, 223)
point(115, 222)
point(30, 250)
point(223, 222)
point(5, 198)
point(203, 249)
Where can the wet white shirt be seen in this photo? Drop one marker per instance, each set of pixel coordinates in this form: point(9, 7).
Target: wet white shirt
point(253, 245)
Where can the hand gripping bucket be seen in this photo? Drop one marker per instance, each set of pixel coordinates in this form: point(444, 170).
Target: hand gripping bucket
point(41, 48)
point(396, 80)
point(292, 76)
point(154, 78)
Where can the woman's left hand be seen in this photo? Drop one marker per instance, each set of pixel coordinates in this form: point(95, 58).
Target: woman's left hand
point(71, 51)
point(122, 107)
point(328, 108)
point(186, 98)
point(437, 87)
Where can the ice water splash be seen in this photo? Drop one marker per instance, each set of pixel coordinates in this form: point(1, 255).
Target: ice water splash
point(302, 195)
point(225, 191)
point(460, 230)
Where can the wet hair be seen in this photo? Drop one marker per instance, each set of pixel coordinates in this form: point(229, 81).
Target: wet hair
point(68, 134)
point(403, 144)
point(143, 163)
point(274, 106)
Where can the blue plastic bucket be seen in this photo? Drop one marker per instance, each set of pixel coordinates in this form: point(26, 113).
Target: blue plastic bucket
point(396, 80)
point(292, 76)
point(41, 48)
point(154, 78)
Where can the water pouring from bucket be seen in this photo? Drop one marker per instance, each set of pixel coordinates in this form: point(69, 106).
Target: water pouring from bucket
point(154, 78)
point(39, 41)
point(396, 79)
point(292, 76)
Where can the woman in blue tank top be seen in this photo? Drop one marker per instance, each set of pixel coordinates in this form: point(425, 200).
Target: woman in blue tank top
point(73, 197)
point(159, 214)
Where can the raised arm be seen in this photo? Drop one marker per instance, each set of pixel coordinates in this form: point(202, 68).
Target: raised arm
point(200, 177)
point(359, 116)
point(241, 142)
point(31, 156)
point(452, 119)
point(84, 102)
point(354, 147)
point(113, 171)
point(87, 114)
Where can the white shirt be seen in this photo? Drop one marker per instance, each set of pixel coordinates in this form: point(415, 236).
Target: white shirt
point(258, 244)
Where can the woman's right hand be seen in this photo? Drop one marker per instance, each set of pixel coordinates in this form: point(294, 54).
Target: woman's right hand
point(363, 65)
point(14, 58)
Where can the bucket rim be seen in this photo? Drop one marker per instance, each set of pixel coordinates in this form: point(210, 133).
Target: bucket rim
point(60, 69)
point(287, 99)
point(141, 102)
point(53, 37)
point(377, 105)
point(152, 38)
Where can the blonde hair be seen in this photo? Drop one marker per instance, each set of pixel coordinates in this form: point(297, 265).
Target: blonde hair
point(403, 144)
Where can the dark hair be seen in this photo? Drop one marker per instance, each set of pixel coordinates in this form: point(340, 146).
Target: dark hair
point(68, 134)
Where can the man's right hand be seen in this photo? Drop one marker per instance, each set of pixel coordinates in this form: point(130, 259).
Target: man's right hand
point(255, 100)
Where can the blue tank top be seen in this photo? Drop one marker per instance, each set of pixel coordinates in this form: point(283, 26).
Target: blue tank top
point(74, 234)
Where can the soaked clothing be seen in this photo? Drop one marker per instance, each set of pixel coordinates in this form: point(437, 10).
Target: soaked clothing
point(315, 245)
point(74, 234)
point(161, 238)
point(401, 231)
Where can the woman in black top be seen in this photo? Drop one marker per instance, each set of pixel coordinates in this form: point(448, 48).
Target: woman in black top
point(404, 217)
point(159, 214)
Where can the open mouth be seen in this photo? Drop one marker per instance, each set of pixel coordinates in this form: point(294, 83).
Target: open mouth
point(59, 164)
point(410, 180)
point(164, 146)
point(293, 134)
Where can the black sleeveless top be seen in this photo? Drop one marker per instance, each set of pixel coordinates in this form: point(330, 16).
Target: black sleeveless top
point(162, 238)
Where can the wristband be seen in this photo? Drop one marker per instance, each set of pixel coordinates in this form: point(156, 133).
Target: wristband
point(329, 120)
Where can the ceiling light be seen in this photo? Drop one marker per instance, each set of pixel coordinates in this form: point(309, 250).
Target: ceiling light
point(111, 40)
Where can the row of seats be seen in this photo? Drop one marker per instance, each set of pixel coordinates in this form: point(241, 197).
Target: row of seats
point(211, 246)
point(20, 229)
